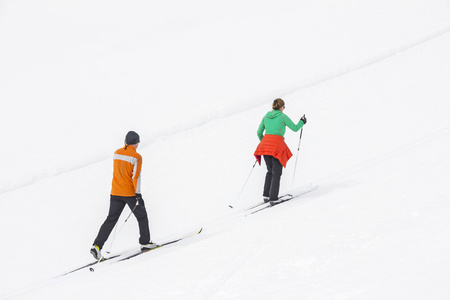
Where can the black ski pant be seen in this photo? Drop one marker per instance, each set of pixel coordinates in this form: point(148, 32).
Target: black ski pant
point(116, 207)
point(273, 177)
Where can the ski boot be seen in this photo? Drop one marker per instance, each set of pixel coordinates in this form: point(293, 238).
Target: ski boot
point(95, 251)
point(149, 246)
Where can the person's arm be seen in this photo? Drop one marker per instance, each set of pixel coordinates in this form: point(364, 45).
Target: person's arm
point(137, 175)
point(294, 127)
point(261, 130)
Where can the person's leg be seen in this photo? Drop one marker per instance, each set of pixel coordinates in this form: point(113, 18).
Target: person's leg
point(277, 170)
point(115, 209)
point(141, 215)
point(268, 180)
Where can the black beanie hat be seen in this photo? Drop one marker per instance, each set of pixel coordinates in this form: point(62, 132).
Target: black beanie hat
point(132, 138)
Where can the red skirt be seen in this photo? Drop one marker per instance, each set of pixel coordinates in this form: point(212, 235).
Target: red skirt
point(275, 146)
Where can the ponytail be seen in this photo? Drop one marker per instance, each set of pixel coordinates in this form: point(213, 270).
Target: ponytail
point(277, 104)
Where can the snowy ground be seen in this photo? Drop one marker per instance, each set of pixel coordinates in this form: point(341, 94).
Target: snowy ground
point(194, 79)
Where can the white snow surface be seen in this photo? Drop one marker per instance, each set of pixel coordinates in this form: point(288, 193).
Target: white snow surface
point(194, 79)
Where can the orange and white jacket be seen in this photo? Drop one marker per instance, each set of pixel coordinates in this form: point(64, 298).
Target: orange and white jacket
point(127, 172)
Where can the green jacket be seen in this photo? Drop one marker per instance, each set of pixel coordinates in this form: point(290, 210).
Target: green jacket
point(275, 122)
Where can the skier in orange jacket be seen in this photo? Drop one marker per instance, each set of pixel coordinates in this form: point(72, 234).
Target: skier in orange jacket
point(126, 189)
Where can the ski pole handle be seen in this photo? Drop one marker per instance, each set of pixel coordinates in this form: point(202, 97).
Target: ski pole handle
point(303, 119)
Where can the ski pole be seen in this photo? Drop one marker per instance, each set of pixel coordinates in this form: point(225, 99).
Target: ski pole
point(231, 206)
point(296, 159)
point(114, 236)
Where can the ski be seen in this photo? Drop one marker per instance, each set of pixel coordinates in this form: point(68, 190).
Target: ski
point(161, 245)
point(127, 255)
point(284, 198)
point(91, 264)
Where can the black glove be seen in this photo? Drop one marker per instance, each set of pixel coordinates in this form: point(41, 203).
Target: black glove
point(139, 199)
point(303, 119)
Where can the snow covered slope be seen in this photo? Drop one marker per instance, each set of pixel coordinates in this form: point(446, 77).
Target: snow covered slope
point(194, 79)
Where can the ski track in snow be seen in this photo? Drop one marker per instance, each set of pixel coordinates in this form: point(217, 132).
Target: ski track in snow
point(261, 100)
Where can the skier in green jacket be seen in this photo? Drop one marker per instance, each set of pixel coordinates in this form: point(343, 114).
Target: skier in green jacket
point(272, 146)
